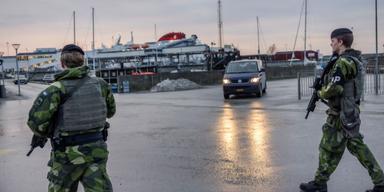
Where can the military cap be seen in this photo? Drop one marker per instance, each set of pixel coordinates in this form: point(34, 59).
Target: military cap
point(72, 48)
point(340, 31)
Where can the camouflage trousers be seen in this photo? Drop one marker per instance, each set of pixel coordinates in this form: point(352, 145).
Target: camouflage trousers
point(332, 146)
point(83, 163)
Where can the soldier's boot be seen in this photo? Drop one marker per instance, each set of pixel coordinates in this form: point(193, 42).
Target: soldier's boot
point(312, 186)
point(377, 188)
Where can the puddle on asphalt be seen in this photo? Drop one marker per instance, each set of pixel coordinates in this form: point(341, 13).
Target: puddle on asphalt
point(243, 139)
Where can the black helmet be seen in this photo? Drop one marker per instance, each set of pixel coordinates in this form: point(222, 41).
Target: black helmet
point(340, 31)
point(72, 48)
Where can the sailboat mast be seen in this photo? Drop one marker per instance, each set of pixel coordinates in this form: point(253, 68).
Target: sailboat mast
point(74, 27)
point(220, 24)
point(258, 36)
point(305, 33)
point(93, 39)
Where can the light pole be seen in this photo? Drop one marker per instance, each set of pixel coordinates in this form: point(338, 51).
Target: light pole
point(211, 52)
point(377, 54)
point(17, 46)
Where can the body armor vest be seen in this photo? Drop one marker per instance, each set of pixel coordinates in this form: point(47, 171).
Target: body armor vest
point(85, 109)
point(352, 88)
point(350, 100)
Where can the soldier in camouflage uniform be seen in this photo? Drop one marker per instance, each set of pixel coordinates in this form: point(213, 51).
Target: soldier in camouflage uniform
point(72, 112)
point(342, 88)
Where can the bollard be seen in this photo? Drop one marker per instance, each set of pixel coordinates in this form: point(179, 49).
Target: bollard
point(298, 86)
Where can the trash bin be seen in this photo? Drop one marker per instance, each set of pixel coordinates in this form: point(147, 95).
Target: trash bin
point(114, 87)
point(3, 92)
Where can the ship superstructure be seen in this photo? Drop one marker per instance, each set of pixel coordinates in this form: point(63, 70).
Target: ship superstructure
point(173, 51)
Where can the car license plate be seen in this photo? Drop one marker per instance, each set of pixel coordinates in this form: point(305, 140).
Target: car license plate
point(239, 90)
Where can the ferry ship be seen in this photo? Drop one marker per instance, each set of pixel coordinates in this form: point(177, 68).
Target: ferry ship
point(173, 51)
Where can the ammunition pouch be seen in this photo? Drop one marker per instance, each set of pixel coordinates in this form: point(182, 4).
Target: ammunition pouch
point(350, 112)
point(59, 143)
point(350, 118)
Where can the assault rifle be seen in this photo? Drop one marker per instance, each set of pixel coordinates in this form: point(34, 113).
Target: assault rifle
point(37, 141)
point(312, 103)
point(318, 83)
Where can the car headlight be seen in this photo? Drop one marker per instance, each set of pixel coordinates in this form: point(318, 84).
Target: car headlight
point(254, 80)
point(226, 81)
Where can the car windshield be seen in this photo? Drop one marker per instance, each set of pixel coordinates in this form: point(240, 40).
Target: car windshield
point(242, 67)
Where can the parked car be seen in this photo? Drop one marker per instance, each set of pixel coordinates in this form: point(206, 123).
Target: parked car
point(244, 77)
point(48, 78)
point(22, 80)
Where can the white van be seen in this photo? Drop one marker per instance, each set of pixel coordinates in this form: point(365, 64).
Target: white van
point(22, 80)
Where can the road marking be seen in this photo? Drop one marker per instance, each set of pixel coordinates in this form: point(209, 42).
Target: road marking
point(5, 151)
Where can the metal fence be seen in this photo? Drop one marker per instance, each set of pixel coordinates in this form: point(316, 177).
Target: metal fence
point(305, 79)
point(370, 77)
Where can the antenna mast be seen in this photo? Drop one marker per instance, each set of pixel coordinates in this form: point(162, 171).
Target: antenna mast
point(155, 32)
point(305, 34)
point(132, 37)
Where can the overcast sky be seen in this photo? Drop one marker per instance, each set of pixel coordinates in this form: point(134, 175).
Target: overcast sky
point(48, 23)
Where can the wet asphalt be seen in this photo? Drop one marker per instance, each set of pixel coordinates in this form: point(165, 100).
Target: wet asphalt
point(195, 141)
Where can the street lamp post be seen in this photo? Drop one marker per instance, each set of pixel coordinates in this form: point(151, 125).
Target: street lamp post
point(17, 46)
point(212, 44)
point(377, 55)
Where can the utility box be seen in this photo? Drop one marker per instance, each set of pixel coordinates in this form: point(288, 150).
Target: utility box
point(114, 87)
point(3, 92)
point(125, 86)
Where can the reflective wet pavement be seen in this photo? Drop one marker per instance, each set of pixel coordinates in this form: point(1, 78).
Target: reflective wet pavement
point(195, 141)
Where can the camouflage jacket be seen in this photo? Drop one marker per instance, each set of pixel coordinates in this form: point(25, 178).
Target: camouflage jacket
point(343, 70)
point(47, 103)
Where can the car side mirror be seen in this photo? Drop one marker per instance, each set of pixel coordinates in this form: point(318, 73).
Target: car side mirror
point(262, 70)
